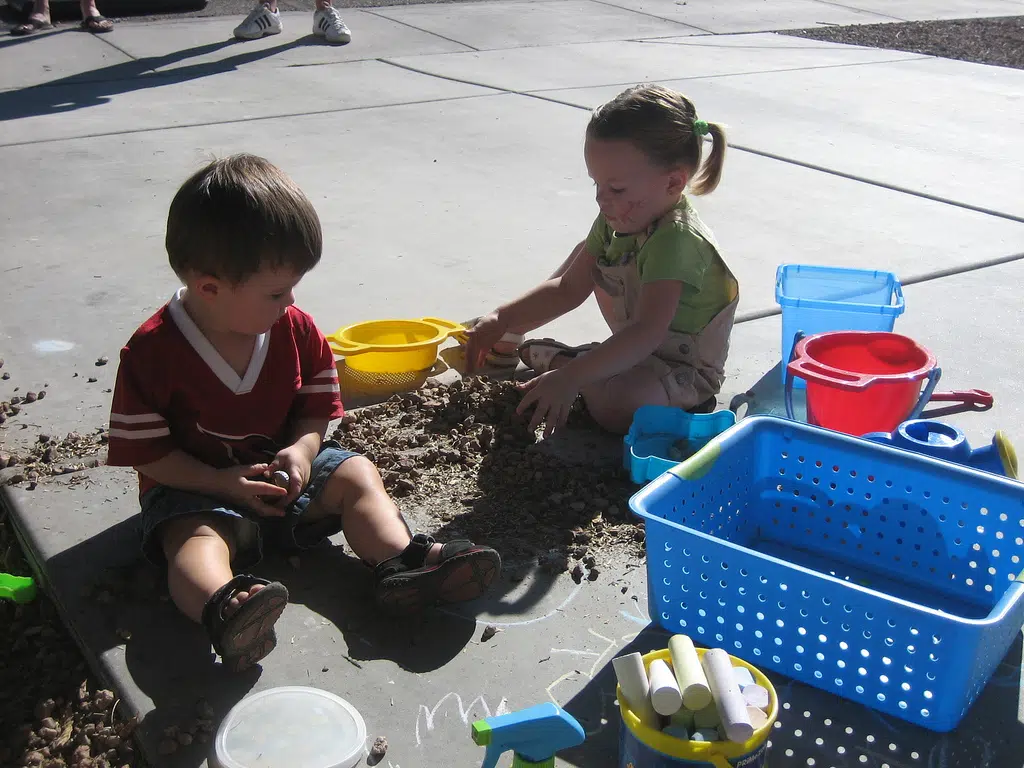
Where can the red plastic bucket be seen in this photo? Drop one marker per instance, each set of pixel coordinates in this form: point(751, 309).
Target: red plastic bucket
point(862, 381)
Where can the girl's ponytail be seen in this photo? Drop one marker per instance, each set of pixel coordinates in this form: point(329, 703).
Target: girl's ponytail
point(710, 172)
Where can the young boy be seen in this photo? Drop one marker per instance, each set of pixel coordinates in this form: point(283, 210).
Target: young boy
point(228, 384)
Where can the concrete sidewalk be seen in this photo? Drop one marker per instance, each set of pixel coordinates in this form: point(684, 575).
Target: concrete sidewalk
point(442, 148)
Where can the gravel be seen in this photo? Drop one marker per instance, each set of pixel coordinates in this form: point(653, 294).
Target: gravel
point(997, 41)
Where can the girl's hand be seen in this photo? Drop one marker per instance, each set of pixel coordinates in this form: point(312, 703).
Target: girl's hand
point(552, 395)
point(296, 463)
point(481, 338)
point(248, 486)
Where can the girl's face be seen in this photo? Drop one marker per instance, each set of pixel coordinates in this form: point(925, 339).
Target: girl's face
point(632, 192)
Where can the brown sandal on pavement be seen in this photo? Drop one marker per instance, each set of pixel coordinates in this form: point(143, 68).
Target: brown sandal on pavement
point(406, 584)
point(247, 635)
point(97, 24)
point(539, 353)
point(30, 27)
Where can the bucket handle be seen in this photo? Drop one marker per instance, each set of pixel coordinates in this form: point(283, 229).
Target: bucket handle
point(447, 327)
point(926, 394)
point(340, 346)
point(789, 377)
point(718, 760)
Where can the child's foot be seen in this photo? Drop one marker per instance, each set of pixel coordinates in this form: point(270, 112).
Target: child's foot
point(239, 618)
point(544, 354)
point(428, 574)
point(260, 22)
point(327, 23)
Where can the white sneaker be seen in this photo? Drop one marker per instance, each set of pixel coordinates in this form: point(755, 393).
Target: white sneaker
point(260, 22)
point(327, 23)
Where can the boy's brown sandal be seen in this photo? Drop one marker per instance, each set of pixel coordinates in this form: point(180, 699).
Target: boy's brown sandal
point(247, 635)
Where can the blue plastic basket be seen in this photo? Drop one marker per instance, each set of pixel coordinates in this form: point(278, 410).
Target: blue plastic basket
point(820, 299)
point(884, 576)
point(645, 448)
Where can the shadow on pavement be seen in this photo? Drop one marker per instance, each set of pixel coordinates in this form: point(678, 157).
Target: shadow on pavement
point(818, 728)
point(90, 89)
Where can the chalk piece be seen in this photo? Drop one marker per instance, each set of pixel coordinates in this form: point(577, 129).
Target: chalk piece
point(664, 689)
point(677, 732)
point(632, 677)
point(743, 677)
point(707, 717)
point(705, 734)
point(693, 684)
point(757, 696)
point(683, 718)
point(757, 718)
point(731, 706)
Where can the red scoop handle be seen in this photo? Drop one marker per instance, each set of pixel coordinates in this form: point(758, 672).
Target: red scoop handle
point(976, 397)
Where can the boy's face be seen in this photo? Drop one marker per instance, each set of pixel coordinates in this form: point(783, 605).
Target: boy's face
point(632, 192)
point(253, 306)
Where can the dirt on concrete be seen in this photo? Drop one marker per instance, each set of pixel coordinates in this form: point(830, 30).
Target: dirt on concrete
point(456, 456)
point(998, 41)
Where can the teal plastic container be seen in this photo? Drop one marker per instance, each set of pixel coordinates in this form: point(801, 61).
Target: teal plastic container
point(821, 299)
point(647, 445)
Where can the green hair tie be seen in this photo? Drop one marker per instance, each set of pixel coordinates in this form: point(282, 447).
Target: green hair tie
point(700, 127)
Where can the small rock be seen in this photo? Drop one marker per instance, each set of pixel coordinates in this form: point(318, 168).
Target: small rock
point(102, 361)
point(48, 734)
point(379, 748)
point(5, 376)
point(31, 397)
point(104, 698)
point(48, 722)
point(41, 394)
point(91, 380)
point(625, 590)
point(594, 573)
point(577, 573)
point(11, 476)
point(326, 669)
point(34, 758)
point(489, 632)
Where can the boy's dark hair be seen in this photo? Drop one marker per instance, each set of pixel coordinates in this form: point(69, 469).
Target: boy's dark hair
point(239, 215)
point(662, 123)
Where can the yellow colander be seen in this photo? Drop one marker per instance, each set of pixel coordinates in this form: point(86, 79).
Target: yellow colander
point(392, 346)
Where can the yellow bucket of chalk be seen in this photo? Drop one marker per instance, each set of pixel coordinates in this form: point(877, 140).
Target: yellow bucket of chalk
point(643, 747)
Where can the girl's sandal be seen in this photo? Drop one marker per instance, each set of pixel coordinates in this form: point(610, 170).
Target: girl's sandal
point(539, 353)
point(405, 584)
point(30, 27)
point(247, 635)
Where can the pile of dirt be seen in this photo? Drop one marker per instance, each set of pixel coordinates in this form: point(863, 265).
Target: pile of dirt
point(997, 41)
point(460, 454)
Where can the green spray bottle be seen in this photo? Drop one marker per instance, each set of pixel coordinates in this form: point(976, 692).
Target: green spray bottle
point(534, 735)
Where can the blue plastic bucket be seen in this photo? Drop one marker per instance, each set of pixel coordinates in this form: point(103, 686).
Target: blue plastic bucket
point(820, 299)
point(644, 747)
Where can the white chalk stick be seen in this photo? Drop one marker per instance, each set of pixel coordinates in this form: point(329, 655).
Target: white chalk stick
point(757, 696)
point(693, 684)
point(757, 717)
point(683, 718)
point(677, 732)
point(664, 689)
point(707, 717)
point(705, 734)
point(743, 677)
point(732, 708)
point(632, 677)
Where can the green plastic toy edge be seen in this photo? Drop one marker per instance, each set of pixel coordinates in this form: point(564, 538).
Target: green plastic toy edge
point(698, 465)
point(20, 589)
point(522, 762)
point(481, 733)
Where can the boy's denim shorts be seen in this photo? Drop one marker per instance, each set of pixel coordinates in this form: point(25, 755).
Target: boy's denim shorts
point(288, 533)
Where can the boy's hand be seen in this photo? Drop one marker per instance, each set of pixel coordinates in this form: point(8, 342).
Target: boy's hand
point(551, 395)
point(247, 485)
point(296, 462)
point(481, 338)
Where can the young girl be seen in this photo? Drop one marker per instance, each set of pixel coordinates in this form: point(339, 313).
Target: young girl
point(667, 295)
